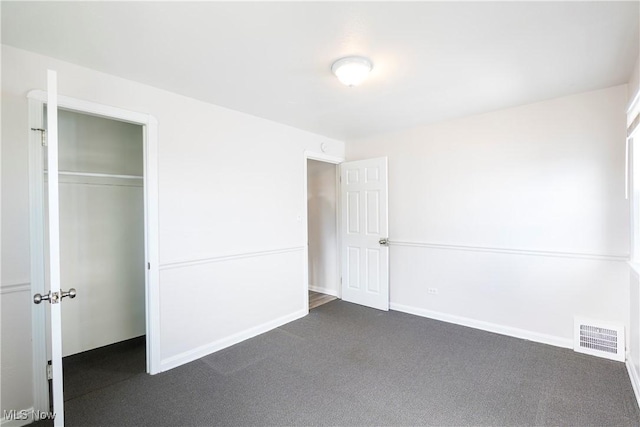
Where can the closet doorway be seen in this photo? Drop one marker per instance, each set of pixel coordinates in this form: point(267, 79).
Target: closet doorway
point(322, 232)
point(109, 252)
point(102, 252)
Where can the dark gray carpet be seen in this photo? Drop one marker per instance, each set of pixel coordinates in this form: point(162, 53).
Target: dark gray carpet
point(348, 365)
point(95, 369)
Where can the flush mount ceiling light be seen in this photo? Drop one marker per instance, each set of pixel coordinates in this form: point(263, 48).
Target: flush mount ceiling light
point(352, 70)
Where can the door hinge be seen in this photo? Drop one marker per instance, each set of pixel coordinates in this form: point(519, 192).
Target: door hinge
point(43, 135)
point(49, 371)
point(148, 266)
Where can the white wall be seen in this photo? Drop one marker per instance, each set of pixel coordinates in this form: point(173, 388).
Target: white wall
point(321, 208)
point(633, 361)
point(517, 217)
point(230, 211)
point(101, 232)
point(15, 318)
point(633, 333)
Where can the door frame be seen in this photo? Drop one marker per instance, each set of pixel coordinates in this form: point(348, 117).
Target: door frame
point(36, 101)
point(334, 160)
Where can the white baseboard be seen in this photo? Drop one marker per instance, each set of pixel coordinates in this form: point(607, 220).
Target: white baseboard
point(197, 353)
point(17, 423)
point(486, 326)
point(635, 379)
point(323, 290)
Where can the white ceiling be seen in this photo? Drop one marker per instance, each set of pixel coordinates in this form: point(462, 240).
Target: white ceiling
point(432, 60)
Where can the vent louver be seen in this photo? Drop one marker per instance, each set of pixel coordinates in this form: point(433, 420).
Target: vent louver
point(603, 339)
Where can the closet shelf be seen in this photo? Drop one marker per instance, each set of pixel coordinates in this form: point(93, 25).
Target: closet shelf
point(98, 175)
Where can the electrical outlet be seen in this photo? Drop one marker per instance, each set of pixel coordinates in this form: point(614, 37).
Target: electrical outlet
point(433, 291)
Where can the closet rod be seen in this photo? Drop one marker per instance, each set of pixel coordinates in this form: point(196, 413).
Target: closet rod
point(97, 175)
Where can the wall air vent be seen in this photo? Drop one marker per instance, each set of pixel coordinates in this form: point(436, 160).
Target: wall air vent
point(602, 339)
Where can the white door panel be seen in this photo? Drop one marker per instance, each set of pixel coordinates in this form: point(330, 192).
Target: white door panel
point(365, 267)
point(55, 295)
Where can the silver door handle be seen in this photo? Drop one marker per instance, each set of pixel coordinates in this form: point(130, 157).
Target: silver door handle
point(54, 297)
point(384, 241)
point(71, 293)
point(37, 298)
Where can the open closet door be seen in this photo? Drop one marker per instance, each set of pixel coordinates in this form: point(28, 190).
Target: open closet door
point(55, 295)
point(364, 229)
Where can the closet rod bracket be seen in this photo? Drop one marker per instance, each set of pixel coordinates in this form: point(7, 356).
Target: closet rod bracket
point(43, 133)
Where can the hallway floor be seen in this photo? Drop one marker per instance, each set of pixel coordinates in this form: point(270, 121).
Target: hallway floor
point(316, 299)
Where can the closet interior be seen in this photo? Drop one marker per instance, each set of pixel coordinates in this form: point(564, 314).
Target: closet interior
point(102, 252)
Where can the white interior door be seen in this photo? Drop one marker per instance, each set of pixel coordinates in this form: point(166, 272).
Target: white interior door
point(364, 229)
point(55, 296)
